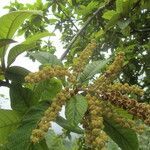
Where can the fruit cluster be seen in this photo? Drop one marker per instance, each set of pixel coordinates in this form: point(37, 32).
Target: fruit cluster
point(80, 62)
point(104, 88)
point(46, 73)
point(50, 115)
point(95, 137)
point(126, 89)
point(141, 110)
point(110, 74)
point(126, 123)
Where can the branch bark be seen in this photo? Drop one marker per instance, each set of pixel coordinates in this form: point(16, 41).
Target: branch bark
point(83, 28)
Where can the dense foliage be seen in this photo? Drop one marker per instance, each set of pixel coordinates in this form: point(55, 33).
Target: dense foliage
point(103, 83)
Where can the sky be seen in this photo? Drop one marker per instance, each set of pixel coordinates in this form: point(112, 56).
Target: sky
point(24, 61)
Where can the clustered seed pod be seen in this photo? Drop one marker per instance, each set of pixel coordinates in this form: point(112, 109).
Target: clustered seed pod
point(80, 62)
point(95, 137)
point(126, 88)
point(50, 114)
point(114, 93)
point(110, 74)
point(72, 79)
point(113, 69)
point(127, 123)
point(141, 110)
point(47, 72)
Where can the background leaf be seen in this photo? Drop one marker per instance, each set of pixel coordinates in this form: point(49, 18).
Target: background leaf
point(108, 14)
point(9, 120)
point(54, 142)
point(91, 69)
point(16, 73)
point(119, 5)
point(20, 139)
point(21, 98)
point(64, 124)
point(112, 22)
point(46, 58)
point(47, 90)
point(75, 109)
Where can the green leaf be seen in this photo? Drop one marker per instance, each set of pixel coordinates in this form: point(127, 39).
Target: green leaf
point(20, 139)
point(112, 22)
point(21, 98)
point(125, 138)
point(109, 14)
point(91, 69)
point(4, 42)
point(9, 120)
point(28, 44)
point(126, 31)
point(119, 6)
point(18, 49)
point(47, 89)
point(16, 73)
point(124, 23)
point(54, 142)
point(46, 58)
point(75, 109)
point(64, 124)
point(35, 37)
point(10, 22)
point(86, 10)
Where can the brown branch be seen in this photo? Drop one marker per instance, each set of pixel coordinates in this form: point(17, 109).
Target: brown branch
point(84, 26)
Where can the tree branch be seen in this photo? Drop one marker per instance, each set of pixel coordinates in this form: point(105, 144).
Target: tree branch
point(136, 5)
point(4, 83)
point(84, 26)
point(66, 15)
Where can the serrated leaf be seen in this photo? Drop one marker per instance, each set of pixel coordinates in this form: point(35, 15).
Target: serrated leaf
point(91, 69)
point(54, 142)
point(4, 42)
point(64, 124)
point(16, 73)
point(46, 58)
point(20, 139)
point(109, 14)
point(28, 44)
point(9, 120)
point(20, 97)
point(75, 109)
point(47, 89)
point(125, 138)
